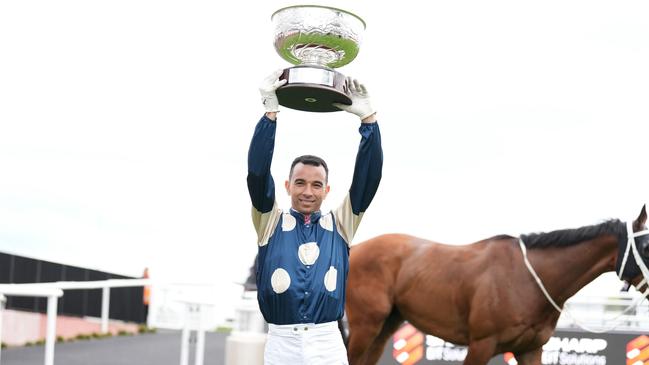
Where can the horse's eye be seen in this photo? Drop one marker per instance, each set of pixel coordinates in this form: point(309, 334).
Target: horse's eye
point(644, 248)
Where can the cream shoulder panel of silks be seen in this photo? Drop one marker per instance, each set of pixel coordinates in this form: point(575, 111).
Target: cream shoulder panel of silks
point(265, 223)
point(346, 221)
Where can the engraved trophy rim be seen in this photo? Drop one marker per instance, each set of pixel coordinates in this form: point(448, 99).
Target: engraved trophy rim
point(323, 7)
point(303, 35)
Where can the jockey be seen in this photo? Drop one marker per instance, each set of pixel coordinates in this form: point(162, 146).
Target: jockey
point(303, 254)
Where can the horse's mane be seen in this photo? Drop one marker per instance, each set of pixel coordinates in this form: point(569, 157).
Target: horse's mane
point(567, 237)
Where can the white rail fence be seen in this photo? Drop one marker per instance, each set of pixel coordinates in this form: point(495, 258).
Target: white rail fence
point(607, 312)
point(104, 285)
point(55, 290)
point(52, 294)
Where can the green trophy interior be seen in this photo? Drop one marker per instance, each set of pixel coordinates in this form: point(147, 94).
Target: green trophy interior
point(333, 41)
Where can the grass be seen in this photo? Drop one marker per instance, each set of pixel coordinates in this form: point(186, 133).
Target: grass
point(82, 337)
point(101, 335)
point(89, 336)
point(223, 329)
point(144, 329)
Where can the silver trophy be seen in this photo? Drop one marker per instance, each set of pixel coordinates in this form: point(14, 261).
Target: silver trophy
point(316, 39)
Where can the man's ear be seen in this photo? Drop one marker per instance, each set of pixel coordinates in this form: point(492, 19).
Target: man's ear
point(327, 189)
point(286, 184)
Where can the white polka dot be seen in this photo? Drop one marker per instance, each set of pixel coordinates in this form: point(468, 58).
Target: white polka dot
point(280, 281)
point(308, 253)
point(327, 222)
point(288, 222)
point(330, 278)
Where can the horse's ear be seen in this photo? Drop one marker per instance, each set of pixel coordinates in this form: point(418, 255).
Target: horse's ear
point(642, 218)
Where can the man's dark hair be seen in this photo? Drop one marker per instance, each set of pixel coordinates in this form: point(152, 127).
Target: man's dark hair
point(310, 160)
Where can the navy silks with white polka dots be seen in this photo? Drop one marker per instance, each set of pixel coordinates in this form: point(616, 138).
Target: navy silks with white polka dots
point(303, 261)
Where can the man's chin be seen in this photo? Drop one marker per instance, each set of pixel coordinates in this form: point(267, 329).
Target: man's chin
point(306, 210)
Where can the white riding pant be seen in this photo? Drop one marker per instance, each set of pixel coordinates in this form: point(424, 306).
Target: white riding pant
point(305, 344)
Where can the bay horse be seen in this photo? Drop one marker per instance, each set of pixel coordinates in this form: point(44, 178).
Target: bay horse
point(482, 295)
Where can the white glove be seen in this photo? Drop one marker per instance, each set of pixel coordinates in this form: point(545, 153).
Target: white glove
point(267, 91)
point(360, 99)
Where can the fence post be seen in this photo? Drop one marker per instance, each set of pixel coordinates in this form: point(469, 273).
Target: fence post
point(200, 347)
point(105, 305)
point(184, 346)
point(2, 309)
point(50, 338)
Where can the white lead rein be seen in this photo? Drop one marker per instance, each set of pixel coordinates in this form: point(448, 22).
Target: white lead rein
point(630, 246)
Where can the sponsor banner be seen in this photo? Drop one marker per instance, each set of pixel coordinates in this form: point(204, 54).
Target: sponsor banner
point(637, 351)
point(408, 345)
point(411, 347)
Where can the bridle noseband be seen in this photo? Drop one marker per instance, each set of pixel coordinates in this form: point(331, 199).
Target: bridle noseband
point(632, 247)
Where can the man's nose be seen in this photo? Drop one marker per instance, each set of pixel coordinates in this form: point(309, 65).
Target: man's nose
point(308, 190)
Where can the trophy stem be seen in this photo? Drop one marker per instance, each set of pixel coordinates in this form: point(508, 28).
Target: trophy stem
point(315, 56)
point(317, 65)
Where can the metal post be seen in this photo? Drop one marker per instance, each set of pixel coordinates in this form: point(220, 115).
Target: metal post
point(184, 347)
point(2, 309)
point(200, 347)
point(50, 337)
point(105, 305)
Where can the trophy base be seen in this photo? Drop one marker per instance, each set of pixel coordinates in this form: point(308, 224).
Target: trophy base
point(312, 89)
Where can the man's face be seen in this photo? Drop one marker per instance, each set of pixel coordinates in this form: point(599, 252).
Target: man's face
point(307, 188)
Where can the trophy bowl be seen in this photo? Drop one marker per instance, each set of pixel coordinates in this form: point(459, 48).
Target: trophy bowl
point(316, 39)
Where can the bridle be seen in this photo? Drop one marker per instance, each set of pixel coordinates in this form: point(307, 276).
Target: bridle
point(630, 247)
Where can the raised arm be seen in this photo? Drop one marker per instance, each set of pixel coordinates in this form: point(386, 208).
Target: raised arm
point(368, 168)
point(369, 163)
point(261, 185)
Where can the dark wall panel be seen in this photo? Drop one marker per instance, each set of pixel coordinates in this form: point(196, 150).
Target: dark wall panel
point(24, 271)
point(93, 299)
point(125, 303)
point(49, 272)
point(74, 301)
point(5, 267)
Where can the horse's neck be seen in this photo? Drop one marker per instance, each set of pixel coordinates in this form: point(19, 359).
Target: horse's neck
point(573, 267)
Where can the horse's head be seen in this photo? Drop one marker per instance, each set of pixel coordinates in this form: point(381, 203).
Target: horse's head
point(639, 225)
point(640, 240)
